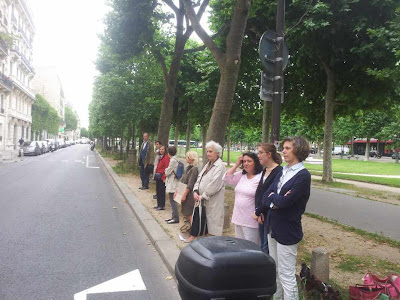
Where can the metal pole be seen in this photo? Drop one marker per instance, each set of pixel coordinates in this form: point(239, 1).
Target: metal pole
point(278, 73)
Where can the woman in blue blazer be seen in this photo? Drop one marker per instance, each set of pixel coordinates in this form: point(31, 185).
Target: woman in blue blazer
point(283, 205)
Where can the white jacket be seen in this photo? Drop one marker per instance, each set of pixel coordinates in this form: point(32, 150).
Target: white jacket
point(171, 182)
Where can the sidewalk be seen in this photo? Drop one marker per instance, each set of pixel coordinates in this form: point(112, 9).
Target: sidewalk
point(361, 213)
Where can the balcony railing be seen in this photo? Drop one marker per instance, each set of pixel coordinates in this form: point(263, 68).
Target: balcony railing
point(3, 45)
point(14, 19)
point(28, 12)
point(13, 112)
point(25, 37)
point(24, 59)
point(5, 81)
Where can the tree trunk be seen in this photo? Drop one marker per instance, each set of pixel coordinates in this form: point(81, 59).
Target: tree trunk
point(228, 63)
point(204, 132)
point(176, 136)
point(228, 157)
point(121, 146)
point(366, 157)
point(171, 77)
point(266, 121)
point(128, 139)
point(188, 136)
point(327, 175)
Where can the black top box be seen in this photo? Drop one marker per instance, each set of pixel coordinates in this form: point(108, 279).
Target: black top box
point(225, 268)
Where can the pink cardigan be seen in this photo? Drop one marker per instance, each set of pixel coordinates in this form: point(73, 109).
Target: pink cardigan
point(245, 191)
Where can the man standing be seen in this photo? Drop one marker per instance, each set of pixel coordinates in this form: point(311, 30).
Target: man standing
point(156, 157)
point(146, 159)
point(21, 141)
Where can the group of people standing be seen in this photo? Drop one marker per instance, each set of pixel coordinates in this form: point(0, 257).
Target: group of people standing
point(269, 199)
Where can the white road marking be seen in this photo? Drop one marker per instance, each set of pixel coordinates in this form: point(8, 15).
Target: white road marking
point(77, 160)
point(87, 164)
point(131, 281)
point(64, 160)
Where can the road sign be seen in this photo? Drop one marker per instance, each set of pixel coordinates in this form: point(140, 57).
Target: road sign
point(267, 50)
point(131, 281)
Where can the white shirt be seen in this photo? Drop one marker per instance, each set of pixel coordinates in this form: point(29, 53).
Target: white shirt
point(288, 173)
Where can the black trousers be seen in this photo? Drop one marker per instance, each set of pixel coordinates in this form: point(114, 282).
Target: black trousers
point(160, 191)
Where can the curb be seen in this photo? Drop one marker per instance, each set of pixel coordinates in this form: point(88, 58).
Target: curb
point(166, 248)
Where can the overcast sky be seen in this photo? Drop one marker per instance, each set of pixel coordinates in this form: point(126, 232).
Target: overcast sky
point(66, 37)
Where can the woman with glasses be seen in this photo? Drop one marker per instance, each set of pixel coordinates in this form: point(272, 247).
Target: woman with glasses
point(271, 160)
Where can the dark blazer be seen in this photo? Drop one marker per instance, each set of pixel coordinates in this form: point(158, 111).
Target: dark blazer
point(263, 186)
point(285, 221)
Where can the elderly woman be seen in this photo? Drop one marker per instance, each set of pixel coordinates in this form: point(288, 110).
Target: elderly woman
point(245, 183)
point(283, 205)
point(271, 159)
point(189, 178)
point(209, 188)
point(171, 184)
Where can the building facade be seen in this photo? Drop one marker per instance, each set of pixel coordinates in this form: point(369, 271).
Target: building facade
point(17, 31)
point(48, 84)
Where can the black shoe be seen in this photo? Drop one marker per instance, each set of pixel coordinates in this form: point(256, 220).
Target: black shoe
point(167, 220)
point(160, 208)
point(141, 188)
point(154, 196)
point(145, 188)
point(155, 207)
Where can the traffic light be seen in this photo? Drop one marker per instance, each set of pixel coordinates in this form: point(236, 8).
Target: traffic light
point(266, 87)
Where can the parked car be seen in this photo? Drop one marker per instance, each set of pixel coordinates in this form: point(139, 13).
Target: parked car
point(53, 144)
point(61, 143)
point(31, 148)
point(43, 147)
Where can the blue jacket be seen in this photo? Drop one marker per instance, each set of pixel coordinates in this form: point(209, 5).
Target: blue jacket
point(285, 221)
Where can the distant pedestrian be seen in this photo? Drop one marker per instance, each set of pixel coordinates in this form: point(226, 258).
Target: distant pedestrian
point(146, 160)
point(21, 141)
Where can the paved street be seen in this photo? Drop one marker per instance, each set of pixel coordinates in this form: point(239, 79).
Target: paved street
point(65, 228)
point(371, 216)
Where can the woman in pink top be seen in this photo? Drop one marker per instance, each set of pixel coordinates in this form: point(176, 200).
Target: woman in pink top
point(246, 183)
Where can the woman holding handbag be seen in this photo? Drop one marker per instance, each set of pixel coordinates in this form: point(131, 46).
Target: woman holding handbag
point(163, 162)
point(210, 190)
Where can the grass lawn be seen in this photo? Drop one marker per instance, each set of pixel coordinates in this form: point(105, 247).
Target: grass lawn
point(234, 154)
point(361, 167)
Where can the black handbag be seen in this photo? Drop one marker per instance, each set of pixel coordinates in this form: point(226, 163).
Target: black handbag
point(199, 220)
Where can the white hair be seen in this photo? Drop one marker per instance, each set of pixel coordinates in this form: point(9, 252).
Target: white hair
point(217, 147)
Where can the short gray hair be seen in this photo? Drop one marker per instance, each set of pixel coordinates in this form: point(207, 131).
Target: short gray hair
point(217, 147)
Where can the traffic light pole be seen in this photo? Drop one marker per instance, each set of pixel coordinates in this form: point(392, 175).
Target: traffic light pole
point(278, 74)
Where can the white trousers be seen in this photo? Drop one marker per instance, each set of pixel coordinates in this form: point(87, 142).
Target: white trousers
point(285, 260)
point(246, 233)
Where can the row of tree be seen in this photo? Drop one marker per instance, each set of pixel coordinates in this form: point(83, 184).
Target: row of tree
point(343, 66)
point(46, 119)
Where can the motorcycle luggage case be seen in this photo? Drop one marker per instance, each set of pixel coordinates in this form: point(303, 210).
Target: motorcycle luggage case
point(225, 268)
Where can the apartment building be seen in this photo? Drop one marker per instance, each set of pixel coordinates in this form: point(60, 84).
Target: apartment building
point(48, 84)
point(17, 31)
